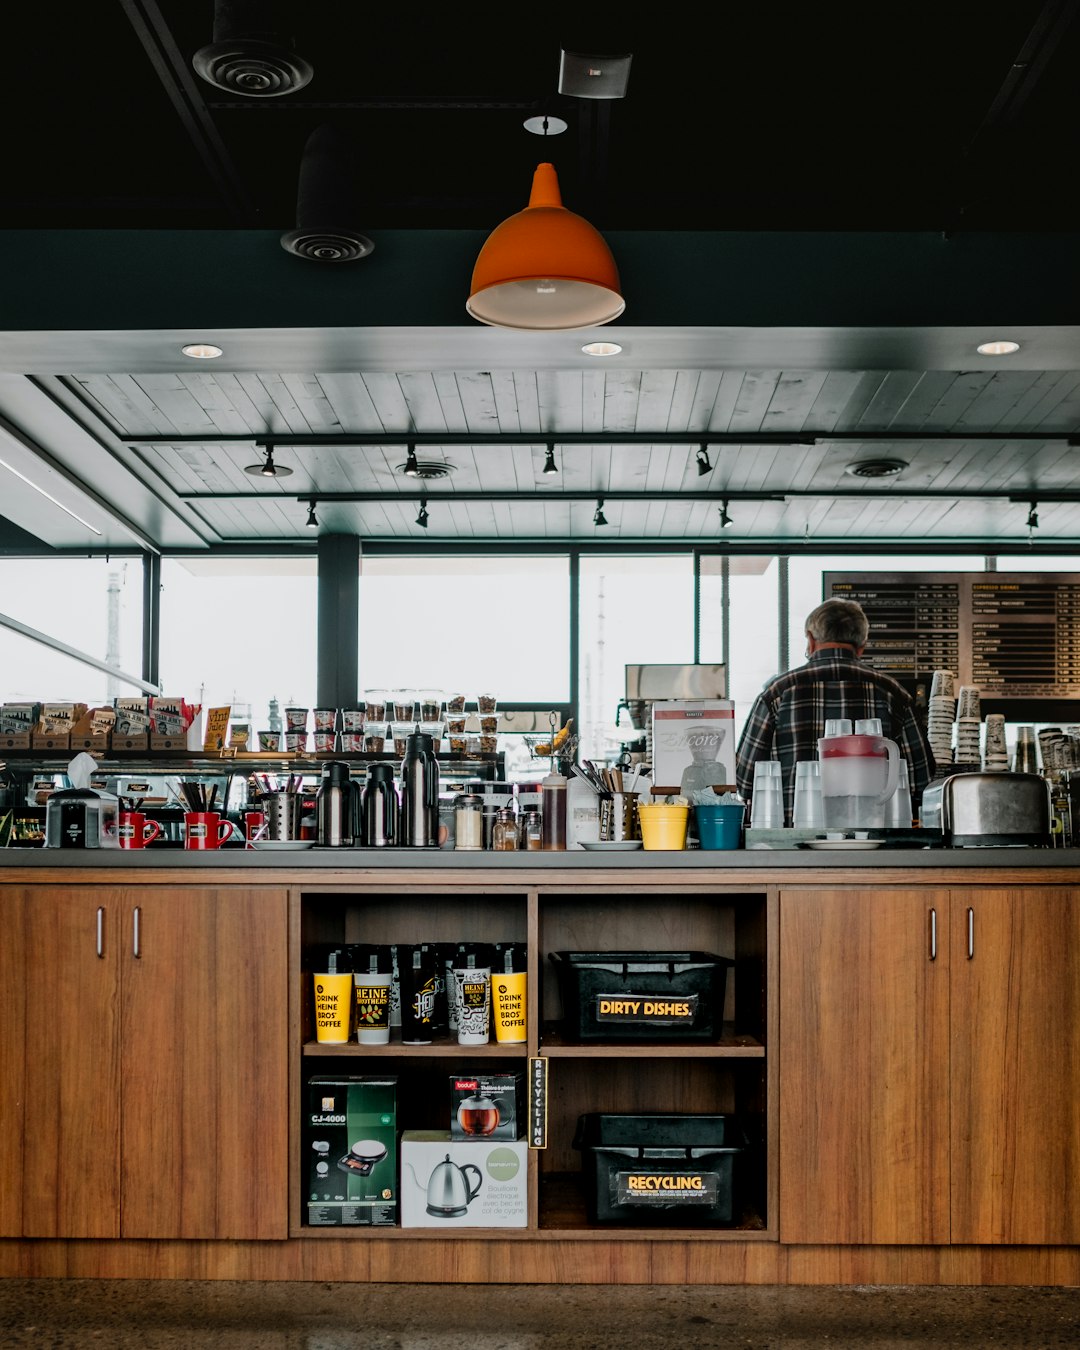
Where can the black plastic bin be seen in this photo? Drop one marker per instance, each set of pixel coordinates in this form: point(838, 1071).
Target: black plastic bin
point(642, 996)
point(674, 1170)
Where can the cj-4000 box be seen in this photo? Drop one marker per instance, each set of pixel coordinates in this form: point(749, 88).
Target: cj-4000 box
point(350, 1150)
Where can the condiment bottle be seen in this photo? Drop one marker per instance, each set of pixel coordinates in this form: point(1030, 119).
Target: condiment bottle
point(532, 831)
point(553, 812)
point(504, 834)
point(468, 821)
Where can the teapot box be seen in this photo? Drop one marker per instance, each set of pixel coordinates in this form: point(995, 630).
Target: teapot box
point(463, 1183)
point(503, 1096)
point(350, 1151)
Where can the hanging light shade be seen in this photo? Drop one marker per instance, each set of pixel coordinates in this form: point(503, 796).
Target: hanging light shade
point(545, 268)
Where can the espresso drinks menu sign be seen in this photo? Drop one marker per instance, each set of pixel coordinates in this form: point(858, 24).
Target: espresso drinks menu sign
point(1014, 635)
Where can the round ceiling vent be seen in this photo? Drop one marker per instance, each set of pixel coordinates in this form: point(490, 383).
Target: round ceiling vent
point(876, 468)
point(426, 469)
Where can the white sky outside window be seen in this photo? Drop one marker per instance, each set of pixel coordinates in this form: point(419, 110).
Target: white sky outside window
point(633, 611)
point(468, 625)
point(240, 629)
point(68, 598)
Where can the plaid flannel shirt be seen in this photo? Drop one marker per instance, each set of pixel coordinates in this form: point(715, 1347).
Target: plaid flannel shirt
point(790, 714)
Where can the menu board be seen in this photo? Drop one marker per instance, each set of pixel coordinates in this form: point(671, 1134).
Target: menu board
point(1014, 635)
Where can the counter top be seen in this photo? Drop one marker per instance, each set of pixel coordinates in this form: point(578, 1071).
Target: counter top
point(448, 860)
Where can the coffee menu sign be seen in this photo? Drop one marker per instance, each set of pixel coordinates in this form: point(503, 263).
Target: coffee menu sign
point(1014, 635)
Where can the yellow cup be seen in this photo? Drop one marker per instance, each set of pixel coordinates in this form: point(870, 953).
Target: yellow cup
point(333, 1007)
point(508, 999)
point(663, 826)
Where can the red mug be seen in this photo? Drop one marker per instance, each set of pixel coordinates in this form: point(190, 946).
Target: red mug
point(205, 829)
point(133, 830)
point(254, 825)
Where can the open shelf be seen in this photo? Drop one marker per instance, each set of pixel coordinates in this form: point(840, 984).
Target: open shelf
point(442, 1047)
point(730, 1045)
point(562, 1210)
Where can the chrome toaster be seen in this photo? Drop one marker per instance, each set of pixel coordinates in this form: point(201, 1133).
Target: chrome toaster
point(980, 809)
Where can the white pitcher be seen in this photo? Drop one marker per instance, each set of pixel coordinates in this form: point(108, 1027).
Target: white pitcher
point(859, 774)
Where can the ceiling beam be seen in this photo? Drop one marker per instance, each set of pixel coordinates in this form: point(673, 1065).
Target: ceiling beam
point(719, 496)
point(544, 438)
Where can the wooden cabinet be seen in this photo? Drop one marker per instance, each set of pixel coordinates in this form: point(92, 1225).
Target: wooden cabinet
point(929, 1066)
point(149, 1087)
point(1015, 1065)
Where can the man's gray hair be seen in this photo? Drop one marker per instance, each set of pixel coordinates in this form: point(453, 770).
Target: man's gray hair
point(838, 621)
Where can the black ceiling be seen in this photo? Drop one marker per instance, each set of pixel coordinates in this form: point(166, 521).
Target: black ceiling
point(921, 116)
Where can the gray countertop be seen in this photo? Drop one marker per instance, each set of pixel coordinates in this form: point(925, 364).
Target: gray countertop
point(436, 860)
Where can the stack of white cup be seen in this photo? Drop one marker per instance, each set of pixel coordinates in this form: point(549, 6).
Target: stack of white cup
point(809, 809)
point(767, 802)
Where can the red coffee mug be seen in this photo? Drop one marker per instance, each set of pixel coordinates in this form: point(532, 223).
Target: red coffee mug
point(254, 825)
point(205, 829)
point(133, 830)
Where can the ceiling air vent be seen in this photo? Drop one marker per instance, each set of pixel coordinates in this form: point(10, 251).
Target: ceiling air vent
point(426, 469)
point(249, 54)
point(876, 468)
point(327, 200)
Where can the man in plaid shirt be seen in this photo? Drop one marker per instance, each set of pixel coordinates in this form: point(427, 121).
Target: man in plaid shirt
point(790, 713)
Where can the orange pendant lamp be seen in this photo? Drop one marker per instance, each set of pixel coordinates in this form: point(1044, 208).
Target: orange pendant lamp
point(545, 268)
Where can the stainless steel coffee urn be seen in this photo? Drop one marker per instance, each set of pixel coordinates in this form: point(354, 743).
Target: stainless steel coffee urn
point(420, 793)
point(379, 808)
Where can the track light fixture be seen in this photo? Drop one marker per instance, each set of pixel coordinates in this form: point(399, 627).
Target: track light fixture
point(725, 519)
point(268, 469)
point(549, 463)
point(704, 464)
point(599, 518)
point(422, 515)
point(1033, 516)
point(311, 522)
point(412, 468)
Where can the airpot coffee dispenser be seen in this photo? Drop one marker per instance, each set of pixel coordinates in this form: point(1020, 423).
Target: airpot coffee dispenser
point(420, 792)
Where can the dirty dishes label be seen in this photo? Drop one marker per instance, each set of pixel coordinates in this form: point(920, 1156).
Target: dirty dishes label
point(647, 1009)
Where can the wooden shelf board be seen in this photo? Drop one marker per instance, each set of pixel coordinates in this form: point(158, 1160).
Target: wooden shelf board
point(730, 1046)
point(444, 1047)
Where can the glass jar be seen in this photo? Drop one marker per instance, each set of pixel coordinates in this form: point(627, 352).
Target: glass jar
point(468, 821)
point(504, 834)
point(532, 831)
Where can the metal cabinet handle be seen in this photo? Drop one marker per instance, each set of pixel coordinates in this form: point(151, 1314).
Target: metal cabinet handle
point(933, 935)
point(101, 931)
point(136, 952)
point(971, 934)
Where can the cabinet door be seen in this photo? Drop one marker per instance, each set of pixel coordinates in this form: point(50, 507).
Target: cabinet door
point(205, 1065)
point(1016, 1066)
point(864, 1066)
point(59, 1090)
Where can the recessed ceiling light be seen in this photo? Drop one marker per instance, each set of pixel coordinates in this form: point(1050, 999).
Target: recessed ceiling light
point(997, 348)
point(601, 349)
point(202, 351)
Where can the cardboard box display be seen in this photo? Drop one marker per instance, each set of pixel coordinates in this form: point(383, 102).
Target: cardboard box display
point(132, 717)
point(693, 744)
point(60, 719)
point(463, 1183)
point(19, 719)
point(350, 1150)
point(487, 1105)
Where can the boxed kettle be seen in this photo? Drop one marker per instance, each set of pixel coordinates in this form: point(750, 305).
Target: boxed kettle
point(463, 1183)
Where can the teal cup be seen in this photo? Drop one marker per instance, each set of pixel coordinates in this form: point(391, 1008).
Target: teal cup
point(720, 826)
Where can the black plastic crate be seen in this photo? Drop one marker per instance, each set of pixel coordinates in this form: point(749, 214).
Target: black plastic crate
point(642, 996)
point(674, 1170)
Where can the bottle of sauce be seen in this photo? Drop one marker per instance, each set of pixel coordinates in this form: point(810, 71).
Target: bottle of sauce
point(531, 831)
point(553, 813)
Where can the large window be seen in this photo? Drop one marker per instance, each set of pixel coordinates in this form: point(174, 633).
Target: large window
point(470, 625)
point(753, 607)
point(239, 632)
point(633, 610)
point(91, 604)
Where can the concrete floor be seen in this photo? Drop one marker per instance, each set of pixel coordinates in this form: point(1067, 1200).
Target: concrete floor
point(221, 1315)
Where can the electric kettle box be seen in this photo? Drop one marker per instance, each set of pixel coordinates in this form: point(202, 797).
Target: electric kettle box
point(463, 1183)
point(350, 1151)
point(488, 1106)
